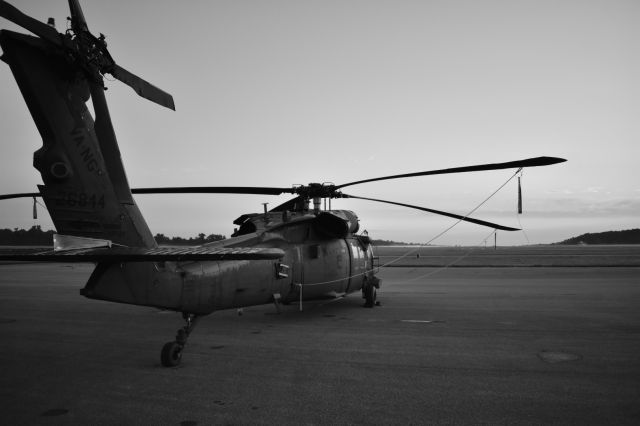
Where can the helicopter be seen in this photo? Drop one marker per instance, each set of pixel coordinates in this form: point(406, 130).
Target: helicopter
point(292, 252)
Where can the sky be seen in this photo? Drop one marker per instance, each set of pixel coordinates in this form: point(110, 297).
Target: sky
point(276, 93)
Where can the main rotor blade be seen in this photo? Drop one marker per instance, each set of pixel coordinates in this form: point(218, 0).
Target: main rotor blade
point(455, 216)
point(213, 190)
point(142, 87)
point(38, 28)
point(183, 190)
point(21, 195)
point(529, 162)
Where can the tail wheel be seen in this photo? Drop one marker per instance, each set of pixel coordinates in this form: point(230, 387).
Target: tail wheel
point(171, 354)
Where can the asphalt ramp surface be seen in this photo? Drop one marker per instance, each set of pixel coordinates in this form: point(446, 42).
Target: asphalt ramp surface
point(461, 346)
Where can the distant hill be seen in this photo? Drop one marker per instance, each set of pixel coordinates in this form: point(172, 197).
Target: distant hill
point(629, 236)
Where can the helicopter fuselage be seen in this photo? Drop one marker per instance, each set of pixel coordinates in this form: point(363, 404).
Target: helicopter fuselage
point(323, 257)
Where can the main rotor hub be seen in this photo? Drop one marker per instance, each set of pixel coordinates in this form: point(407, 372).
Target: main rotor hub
point(318, 190)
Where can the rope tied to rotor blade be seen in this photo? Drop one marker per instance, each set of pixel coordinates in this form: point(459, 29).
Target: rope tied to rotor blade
point(411, 252)
point(453, 262)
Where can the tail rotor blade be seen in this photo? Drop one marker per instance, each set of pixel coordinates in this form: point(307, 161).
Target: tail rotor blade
point(142, 87)
point(78, 22)
point(38, 28)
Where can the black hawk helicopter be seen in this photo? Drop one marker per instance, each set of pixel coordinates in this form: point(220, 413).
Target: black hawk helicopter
point(289, 253)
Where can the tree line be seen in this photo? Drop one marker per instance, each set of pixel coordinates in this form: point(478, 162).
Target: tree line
point(21, 237)
point(199, 240)
point(35, 236)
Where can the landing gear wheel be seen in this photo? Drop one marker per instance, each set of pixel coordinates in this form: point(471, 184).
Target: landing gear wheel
point(369, 295)
point(171, 354)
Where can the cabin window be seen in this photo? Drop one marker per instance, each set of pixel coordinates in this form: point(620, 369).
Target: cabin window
point(313, 252)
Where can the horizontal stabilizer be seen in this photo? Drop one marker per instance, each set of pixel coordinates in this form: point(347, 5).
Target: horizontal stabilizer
point(125, 254)
point(69, 242)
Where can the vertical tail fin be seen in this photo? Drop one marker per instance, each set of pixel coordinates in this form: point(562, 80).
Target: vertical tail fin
point(85, 185)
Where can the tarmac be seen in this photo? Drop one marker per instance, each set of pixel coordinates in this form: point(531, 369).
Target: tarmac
point(456, 346)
